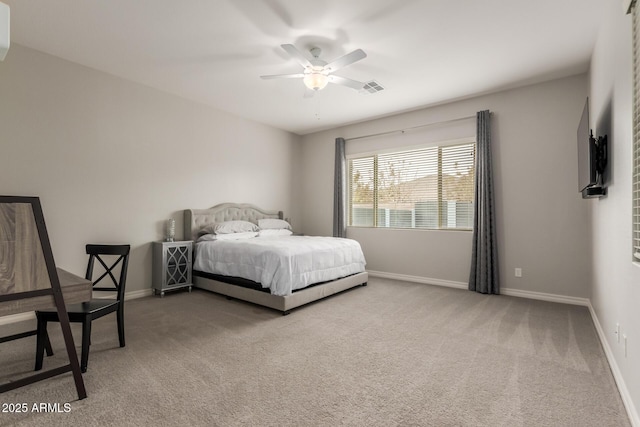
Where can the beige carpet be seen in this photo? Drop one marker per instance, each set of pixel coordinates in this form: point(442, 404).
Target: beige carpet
point(389, 354)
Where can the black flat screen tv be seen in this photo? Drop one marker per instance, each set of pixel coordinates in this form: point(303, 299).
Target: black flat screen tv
point(591, 158)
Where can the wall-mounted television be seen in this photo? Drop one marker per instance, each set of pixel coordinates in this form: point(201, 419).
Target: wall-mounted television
point(592, 159)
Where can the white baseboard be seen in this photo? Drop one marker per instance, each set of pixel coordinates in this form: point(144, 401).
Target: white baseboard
point(462, 285)
point(563, 299)
point(22, 317)
point(418, 279)
point(138, 294)
point(615, 370)
point(617, 375)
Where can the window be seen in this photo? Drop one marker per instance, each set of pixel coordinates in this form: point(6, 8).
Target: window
point(636, 134)
point(429, 188)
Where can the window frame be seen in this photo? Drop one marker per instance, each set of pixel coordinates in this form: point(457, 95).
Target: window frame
point(440, 144)
point(635, 146)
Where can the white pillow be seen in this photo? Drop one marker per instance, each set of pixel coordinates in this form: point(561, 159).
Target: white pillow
point(228, 227)
point(275, 232)
point(273, 223)
point(229, 236)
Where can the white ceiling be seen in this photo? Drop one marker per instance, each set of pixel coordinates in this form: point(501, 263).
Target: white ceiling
point(423, 52)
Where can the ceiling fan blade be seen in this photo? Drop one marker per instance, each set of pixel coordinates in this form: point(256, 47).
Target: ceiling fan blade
point(346, 82)
point(283, 76)
point(345, 60)
point(296, 54)
point(308, 93)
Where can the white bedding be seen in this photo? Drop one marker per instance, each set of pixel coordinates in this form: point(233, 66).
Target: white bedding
point(281, 263)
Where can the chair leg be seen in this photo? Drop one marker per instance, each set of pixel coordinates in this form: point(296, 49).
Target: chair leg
point(86, 341)
point(47, 344)
point(41, 338)
point(121, 324)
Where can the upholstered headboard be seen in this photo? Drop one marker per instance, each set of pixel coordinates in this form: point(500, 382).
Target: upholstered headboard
point(196, 219)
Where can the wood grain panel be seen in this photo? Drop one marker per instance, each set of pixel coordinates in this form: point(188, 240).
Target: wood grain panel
point(7, 248)
point(22, 266)
point(75, 289)
point(30, 268)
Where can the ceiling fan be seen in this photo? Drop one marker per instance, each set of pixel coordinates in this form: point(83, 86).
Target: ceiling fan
point(317, 73)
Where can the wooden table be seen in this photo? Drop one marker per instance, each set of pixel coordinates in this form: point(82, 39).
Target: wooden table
point(30, 281)
point(75, 289)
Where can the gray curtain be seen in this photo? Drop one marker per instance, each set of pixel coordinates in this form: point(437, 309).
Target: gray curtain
point(340, 191)
point(484, 256)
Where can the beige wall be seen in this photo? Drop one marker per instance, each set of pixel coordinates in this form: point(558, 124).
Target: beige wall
point(542, 220)
point(616, 279)
point(112, 160)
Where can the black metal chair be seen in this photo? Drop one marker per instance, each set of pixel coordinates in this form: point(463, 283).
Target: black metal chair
point(86, 312)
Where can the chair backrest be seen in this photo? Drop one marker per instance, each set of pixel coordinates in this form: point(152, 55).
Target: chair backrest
point(105, 254)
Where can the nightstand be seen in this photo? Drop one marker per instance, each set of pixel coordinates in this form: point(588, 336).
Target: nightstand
point(171, 266)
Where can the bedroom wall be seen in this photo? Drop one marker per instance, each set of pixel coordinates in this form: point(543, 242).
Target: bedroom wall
point(616, 278)
point(112, 160)
point(542, 220)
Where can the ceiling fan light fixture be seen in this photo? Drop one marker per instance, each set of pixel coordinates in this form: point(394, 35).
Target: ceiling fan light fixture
point(315, 80)
point(317, 72)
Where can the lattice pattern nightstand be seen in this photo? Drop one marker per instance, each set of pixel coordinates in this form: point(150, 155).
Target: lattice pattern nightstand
point(171, 266)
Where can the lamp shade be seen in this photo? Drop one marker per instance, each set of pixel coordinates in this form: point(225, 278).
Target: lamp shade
point(4, 30)
point(315, 81)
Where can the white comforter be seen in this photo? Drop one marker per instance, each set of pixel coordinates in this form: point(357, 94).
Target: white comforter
point(281, 263)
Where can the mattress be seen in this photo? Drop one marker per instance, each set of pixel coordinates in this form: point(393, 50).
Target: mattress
point(281, 263)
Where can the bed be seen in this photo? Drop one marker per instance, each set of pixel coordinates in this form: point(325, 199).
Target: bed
point(282, 295)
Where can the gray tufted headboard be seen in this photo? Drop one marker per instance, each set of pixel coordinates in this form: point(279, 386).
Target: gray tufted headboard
point(196, 219)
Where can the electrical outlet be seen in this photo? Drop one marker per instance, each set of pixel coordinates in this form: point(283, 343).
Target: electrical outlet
point(518, 272)
point(617, 332)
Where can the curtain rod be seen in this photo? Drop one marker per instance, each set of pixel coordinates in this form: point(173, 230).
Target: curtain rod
point(411, 128)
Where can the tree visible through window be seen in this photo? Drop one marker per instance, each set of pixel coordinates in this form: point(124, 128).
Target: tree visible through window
point(430, 187)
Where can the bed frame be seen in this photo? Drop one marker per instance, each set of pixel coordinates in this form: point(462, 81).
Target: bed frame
point(196, 219)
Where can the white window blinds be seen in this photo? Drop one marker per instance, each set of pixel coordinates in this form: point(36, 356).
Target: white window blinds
point(636, 133)
point(430, 187)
